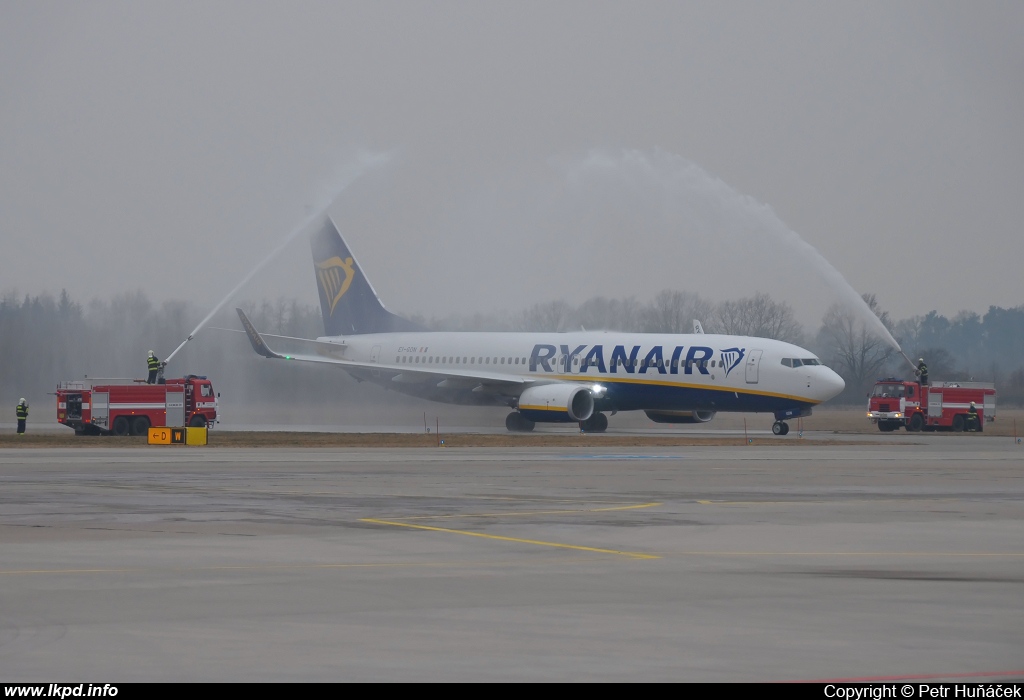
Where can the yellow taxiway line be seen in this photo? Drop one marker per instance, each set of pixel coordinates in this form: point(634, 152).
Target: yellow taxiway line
point(501, 538)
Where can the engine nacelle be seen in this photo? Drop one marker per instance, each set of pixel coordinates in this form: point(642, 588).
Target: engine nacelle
point(556, 403)
point(680, 416)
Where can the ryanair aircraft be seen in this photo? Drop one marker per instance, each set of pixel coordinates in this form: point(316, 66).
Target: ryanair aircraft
point(577, 377)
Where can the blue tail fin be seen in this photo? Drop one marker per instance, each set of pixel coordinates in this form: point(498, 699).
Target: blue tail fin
point(348, 302)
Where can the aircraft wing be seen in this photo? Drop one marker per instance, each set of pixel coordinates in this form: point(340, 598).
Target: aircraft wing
point(332, 354)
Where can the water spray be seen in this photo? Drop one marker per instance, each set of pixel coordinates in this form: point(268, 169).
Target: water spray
point(679, 178)
point(909, 361)
point(364, 162)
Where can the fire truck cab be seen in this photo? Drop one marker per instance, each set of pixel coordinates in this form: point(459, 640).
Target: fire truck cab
point(896, 403)
point(132, 407)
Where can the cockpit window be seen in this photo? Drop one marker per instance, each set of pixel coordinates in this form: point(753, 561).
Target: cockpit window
point(786, 362)
point(810, 361)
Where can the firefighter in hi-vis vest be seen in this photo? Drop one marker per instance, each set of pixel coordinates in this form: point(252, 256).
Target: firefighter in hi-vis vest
point(922, 371)
point(972, 418)
point(22, 413)
point(154, 367)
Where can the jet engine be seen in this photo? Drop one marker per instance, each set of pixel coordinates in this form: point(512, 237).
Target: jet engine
point(680, 416)
point(556, 403)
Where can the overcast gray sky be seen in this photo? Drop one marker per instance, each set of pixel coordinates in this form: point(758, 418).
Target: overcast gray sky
point(535, 150)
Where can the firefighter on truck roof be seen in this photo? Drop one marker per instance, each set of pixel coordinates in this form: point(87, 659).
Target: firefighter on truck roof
point(922, 371)
point(154, 366)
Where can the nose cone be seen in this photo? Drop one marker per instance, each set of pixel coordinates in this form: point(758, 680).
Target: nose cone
point(830, 384)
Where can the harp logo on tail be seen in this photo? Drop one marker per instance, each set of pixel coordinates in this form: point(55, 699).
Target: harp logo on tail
point(335, 276)
point(731, 358)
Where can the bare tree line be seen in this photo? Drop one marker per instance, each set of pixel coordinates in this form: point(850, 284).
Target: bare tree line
point(46, 339)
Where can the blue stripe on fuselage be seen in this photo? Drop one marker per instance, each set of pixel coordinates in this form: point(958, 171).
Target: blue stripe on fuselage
point(628, 394)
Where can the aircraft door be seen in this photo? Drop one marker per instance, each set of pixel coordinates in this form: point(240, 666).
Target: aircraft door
point(575, 364)
point(375, 357)
point(753, 364)
point(562, 363)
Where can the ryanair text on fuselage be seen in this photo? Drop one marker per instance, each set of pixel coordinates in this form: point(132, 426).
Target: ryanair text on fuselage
point(634, 360)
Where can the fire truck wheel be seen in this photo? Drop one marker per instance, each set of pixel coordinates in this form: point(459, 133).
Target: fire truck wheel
point(958, 424)
point(140, 426)
point(197, 422)
point(916, 423)
point(120, 426)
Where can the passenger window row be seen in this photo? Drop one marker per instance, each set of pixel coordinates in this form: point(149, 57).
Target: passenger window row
point(621, 362)
point(451, 360)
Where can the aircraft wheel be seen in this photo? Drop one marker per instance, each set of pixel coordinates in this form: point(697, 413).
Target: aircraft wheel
point(597, 423)
point(958, 424)
point(780, 427)
point(515, 423)
point(140, 426)
point(120, 426)
point(916, 423)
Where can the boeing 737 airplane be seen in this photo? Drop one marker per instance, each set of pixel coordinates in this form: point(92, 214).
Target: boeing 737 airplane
point(576, 377)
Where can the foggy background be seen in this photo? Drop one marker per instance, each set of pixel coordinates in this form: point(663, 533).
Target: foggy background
point(522, 156)
point(44, 340)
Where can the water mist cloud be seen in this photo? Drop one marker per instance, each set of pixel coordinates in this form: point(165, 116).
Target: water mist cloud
point(325, 196)
point(683, 196)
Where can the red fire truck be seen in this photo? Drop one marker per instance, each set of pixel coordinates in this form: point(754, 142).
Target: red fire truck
point(895, 403)
point(132, 407)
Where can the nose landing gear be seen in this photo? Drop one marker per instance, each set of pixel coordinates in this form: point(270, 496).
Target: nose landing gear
point(780, 427)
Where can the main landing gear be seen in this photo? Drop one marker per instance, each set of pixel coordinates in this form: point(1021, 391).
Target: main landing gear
point(515, 423)
point(597, 423)
point(780, 427)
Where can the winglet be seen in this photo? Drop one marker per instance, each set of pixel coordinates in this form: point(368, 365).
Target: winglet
point(255, 338)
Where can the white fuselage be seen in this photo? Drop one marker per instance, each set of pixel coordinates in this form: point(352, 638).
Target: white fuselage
point(629, 371)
